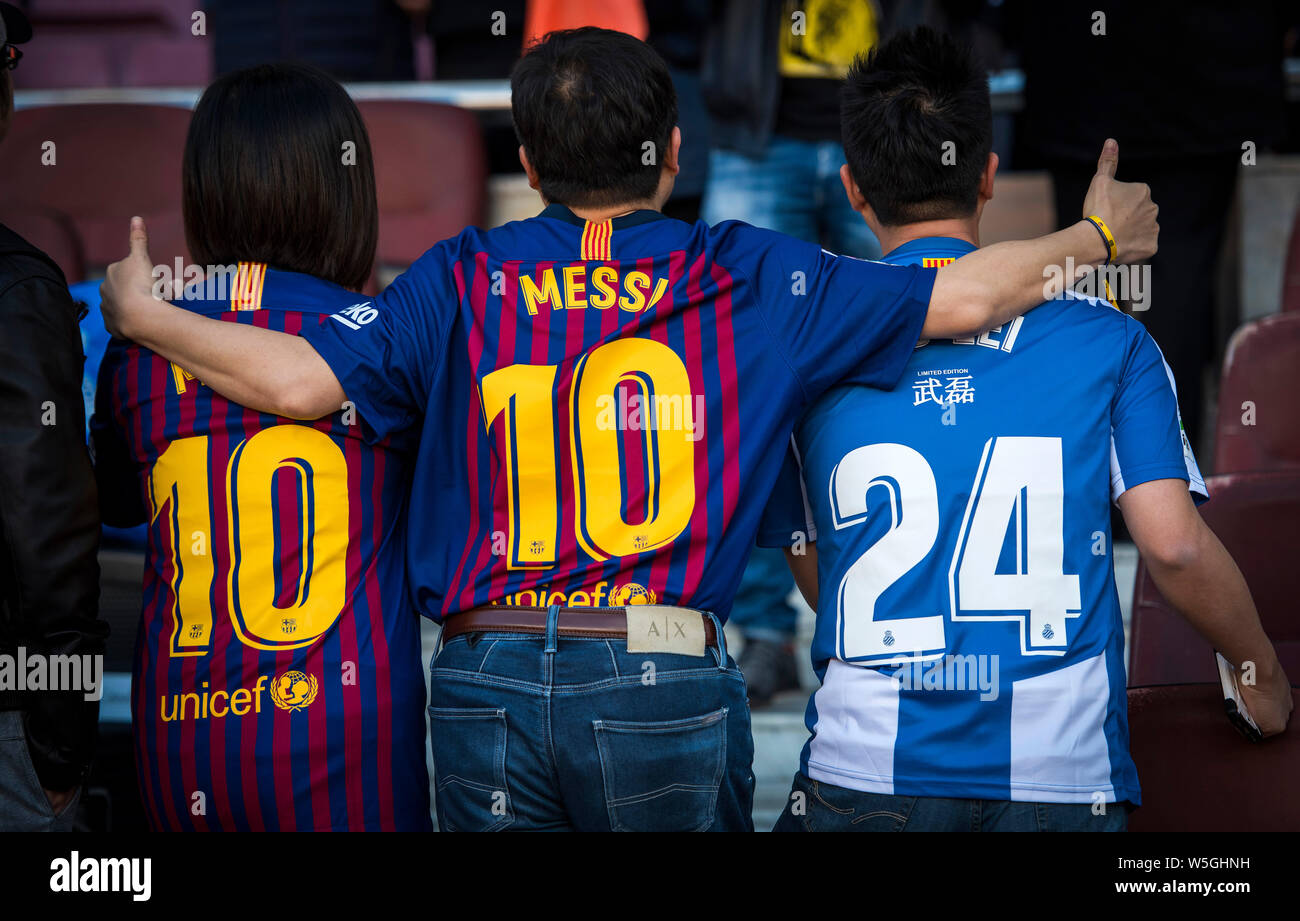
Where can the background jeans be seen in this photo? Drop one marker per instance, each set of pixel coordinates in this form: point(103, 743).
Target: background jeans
point(575, 733)
point(23, 804)
point(761, 608)
point(830, 808)
point(793, 188)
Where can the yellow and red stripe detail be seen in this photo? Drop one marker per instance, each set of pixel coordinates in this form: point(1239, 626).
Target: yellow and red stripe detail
point(596, 239)
point(246, 291)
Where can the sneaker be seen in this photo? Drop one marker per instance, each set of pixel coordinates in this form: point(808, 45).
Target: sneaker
point(769, 668)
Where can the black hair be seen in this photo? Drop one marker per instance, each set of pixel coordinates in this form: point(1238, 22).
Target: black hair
point(268, 175)
point(594, 110)
point(917, 127)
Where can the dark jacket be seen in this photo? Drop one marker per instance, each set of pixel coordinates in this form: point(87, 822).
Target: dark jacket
point(49, 519)
point(1169, 80)
point(738, 73)
point(352, 40)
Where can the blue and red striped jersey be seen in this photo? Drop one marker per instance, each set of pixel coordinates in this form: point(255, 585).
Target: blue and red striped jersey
point(278, 683)
point(602, 407)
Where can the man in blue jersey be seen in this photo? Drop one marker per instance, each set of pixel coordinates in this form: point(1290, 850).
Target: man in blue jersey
point(596, 392)
point(969, 639)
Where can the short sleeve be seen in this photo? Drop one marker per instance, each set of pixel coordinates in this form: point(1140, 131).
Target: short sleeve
point(1147, 437)
point(788, 512)
point(385, 350)
point(120, 502)
point(836, 318)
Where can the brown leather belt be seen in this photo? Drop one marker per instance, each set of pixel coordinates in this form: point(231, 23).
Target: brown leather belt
point(577, 621)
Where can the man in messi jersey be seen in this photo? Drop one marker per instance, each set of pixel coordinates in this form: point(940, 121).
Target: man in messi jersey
point(601, 395)
point(968, 638)
point(277, 682)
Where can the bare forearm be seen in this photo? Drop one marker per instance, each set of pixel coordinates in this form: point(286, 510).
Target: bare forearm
point(259, 368)
point(1208, 589)
point(997, 283)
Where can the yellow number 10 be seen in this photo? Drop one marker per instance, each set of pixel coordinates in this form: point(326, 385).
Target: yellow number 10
point(522, 396)
point(179, 489)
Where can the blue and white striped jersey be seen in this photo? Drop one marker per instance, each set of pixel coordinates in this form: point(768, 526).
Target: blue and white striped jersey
point(969, 638)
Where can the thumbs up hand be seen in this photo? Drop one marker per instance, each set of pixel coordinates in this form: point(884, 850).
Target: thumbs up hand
point(1126, 208)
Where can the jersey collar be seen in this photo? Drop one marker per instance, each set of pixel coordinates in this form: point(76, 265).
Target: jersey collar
point(257, 286)
point(562, 213)
point(915, 251)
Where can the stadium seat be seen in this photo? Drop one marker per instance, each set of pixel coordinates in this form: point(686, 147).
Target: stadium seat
point(66, 62)
point(1291, 270)
point(1021, 209)
point(1258, 424)
point(95, 43)
point(109, 162)
point(50, 231)
point(1198, 774)
point(430, 171)
point(1257, 516)
point(91, 13)
point(165, 61)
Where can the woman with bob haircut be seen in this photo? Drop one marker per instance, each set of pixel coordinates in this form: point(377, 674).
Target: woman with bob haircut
point(277, 681)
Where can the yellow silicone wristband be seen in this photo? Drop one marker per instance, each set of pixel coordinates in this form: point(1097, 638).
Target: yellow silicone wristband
point(1111, 246)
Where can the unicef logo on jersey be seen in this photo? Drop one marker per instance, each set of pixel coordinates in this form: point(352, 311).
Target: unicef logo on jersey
point(630, 593)
point(356, 316)
point(294, 690)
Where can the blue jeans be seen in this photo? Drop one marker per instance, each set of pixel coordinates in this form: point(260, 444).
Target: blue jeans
point(23, 804)
point(817, 806)
point(573, 733)
point(793, 188)
point(761, 610)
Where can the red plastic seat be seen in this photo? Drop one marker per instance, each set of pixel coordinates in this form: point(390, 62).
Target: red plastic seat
point(430, 171)
point(50, 231)
point(1258, 424)
point(181, 61)
point(97, 13)
point(96, 43)
point(58, 62)
point(1198, 774)
point(1257, 517)
point(111, 161)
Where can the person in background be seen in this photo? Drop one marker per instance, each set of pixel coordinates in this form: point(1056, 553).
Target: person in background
point(49, 522)
point(677, 28)
point(771, 78)
point(1211, 81)
point(466, 46)
point(352, 40)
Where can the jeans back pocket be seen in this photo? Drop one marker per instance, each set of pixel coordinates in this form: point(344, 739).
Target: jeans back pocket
point(662, 776)
point(469, 767)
